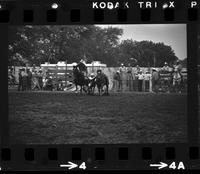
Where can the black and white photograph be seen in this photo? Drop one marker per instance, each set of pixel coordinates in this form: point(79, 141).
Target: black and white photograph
point(97, 84)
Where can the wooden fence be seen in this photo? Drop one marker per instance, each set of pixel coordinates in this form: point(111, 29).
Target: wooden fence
point(62, 73)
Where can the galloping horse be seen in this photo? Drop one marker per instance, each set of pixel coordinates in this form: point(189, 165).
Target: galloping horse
point(80, 79)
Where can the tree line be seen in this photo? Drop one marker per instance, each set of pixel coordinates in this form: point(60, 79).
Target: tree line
point(39, 44)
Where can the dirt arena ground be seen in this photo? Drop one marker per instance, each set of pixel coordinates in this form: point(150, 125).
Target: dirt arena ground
point(68, 118)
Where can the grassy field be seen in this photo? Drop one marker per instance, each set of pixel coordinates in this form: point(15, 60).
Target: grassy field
point(66, 118)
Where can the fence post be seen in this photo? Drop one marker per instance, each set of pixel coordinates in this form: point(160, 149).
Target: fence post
point(56, 74)
point(66, 74)
point(150, 81)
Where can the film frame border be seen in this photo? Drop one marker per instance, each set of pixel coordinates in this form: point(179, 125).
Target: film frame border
point(125, 154)
point(21, 12)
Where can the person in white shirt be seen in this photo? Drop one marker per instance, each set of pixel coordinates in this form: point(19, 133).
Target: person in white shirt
point(147, 77)
point(165, 68)
point(129, 77)
point(178, 66)
point(122, 70)
point(140, 80)
point(136, 73)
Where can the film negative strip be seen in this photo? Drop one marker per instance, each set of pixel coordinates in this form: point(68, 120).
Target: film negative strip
point(99, 85)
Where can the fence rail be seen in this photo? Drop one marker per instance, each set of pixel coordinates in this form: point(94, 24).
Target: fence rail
point(127, 83)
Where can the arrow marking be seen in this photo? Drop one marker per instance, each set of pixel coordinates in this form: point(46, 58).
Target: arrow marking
point(70, 165)
point(160, 166)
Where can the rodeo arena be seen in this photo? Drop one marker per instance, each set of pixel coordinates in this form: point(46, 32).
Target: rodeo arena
point(96, 78)
point(83, 102)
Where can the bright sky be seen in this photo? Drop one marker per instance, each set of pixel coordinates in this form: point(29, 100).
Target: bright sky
point(170, 34)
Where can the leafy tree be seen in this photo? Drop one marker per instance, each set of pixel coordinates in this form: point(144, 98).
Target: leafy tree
point(146, 53)
point(39, 44)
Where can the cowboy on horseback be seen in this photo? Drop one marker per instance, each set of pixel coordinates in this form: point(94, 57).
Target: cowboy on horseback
point(80, 78)
point(82, 67)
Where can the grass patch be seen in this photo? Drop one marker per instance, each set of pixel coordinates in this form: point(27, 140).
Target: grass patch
point(62, 118)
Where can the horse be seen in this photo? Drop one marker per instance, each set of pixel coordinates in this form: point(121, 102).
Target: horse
point(101, 80)
point(80, 79)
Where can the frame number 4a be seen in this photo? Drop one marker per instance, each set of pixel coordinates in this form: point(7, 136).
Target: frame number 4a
point(179, 166)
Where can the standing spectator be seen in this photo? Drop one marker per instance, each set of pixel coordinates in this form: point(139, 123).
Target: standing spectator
point(136, 74)
point(35, 80)
point(117, 81)
point(137, 69)
point(129, 77)
point(20, 80)
point(134, 81)
point(11, 78)
point(122, 70)
point(147, 77)
point(24, 80)
point(40, 79)
point(165, 68)
point(155, 80)
point(178, 66)
point(166, 79)
point(29, 79)
point(140, 80)
point(44, 80)
point(49, 84)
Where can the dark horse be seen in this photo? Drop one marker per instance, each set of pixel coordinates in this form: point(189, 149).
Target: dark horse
point(80, 80)
point(101, 80)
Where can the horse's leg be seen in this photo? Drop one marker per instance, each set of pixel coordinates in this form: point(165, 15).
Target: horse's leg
point(107, 90)
point(99, 89)
point(93, 88)
point(175, 86)
point(180, 86)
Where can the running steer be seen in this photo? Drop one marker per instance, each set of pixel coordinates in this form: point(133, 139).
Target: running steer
point(101, 80)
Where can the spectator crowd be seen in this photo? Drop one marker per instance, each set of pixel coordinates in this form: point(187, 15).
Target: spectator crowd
point(32, 79)
point(135, 79)
point(126, 78)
